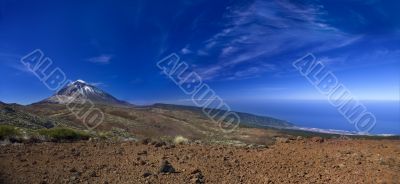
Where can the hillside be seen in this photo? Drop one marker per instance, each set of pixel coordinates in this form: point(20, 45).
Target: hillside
point(157, 122)
point(121, 119)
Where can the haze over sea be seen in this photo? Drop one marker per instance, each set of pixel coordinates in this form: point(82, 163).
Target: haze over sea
point(320, 114)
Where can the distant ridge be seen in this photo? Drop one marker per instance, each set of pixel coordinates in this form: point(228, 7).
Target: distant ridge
point(246, 119)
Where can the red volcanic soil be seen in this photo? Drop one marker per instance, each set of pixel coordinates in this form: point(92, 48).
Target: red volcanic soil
point(297, 161)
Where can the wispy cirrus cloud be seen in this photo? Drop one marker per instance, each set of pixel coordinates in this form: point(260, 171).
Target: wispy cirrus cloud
point(14, 61)
point(101, 59)
point(252, 72)
point(253, 35)
point(367, 59)
point(98, 84)
point(247, 72)
point(186, 50)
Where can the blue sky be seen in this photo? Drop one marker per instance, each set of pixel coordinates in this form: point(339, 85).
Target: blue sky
point(243, 49)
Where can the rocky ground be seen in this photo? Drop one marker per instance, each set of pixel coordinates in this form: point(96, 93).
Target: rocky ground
point(288, 161)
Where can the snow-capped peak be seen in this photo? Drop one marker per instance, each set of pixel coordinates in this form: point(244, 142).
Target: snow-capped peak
point(77, 82)
point(80, 90)
point(80, 81)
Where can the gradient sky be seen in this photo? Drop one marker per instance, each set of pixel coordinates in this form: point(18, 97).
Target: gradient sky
point(243, 50)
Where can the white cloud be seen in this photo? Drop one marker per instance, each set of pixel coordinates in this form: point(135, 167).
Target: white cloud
point(202, 53)
point(13, 61)
point(97, 84)
point(102, 59)
point(186, 50)
point(266, 29)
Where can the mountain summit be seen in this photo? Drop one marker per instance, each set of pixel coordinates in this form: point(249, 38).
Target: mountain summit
point(79, 91)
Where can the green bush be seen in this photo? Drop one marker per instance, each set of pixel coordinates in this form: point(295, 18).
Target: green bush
point(63, 134)
point(7, 131)
point(104, 135)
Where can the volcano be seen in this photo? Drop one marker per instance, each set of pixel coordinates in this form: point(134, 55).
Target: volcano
point(80, 91)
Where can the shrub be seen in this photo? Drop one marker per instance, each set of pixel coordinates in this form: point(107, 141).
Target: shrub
point(181, 140)
point(63, 134)
point(104, 135)
point(7, 131)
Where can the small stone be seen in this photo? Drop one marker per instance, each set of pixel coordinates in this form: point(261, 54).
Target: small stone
point(145, 141)
point(159, 144)
point(23, 160)
point(262, 146)
point(166, 167)
point(195, 171)
point(197, 181)
point(92, 174)
point(282, 140)
point(317, 139)
point(73, 178)
point(119, 151)
point(198, 177)
point(72, 169)
point(146, 174)
point(75, 152)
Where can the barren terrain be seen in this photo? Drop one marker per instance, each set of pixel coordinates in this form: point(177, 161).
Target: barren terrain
point(287, 161)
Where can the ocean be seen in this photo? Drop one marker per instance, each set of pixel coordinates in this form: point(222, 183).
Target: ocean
point(321, 114)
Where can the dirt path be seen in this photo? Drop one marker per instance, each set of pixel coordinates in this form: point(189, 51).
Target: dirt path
point(333, 161)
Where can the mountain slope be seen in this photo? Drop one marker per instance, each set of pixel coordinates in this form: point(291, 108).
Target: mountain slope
point(158, 122)
point(12, 114)
point(154, 121)
point(246, 119)
point(79, 91)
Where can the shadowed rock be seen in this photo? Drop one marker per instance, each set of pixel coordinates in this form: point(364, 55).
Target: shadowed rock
point(166, 167)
